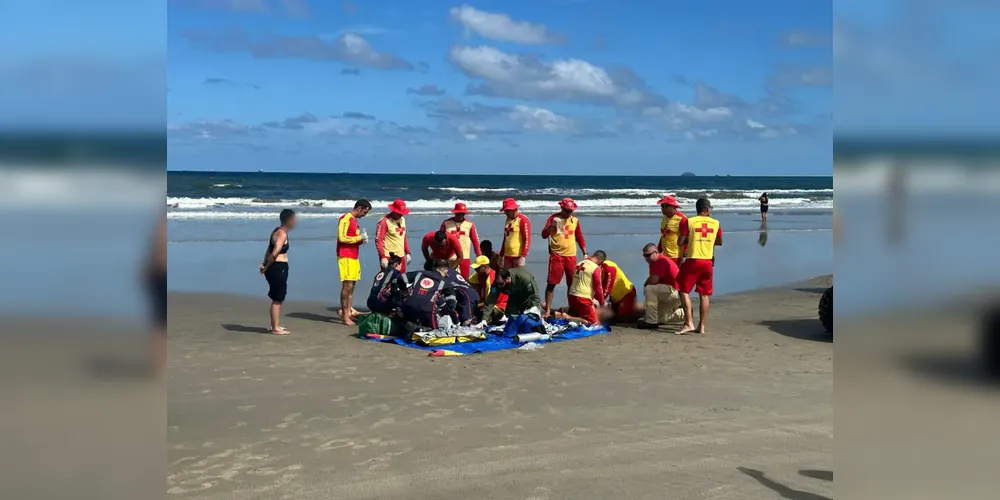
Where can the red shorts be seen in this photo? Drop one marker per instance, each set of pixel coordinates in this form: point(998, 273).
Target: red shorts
point(465, 267)
point(510, 262)
point(582, 308)
point(696, 272)
point(559, 267)
point(625, 307)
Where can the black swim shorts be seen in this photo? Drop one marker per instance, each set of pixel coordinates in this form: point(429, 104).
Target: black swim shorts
point(277, 281)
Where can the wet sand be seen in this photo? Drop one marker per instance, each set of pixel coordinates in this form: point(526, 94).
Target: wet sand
point(744, 412)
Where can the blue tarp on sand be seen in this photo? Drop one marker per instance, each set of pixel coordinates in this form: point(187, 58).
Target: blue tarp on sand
point(493, 342)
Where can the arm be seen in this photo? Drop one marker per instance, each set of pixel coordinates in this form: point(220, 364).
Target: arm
point(547, 229)
point(532, 294)
point(443, 228)
point(474, 236)
point(525, 236)
point(346, 225)
point(380, 231)
point(579, 238)
point(610, 278)
point(598, 287)
point(718, 238)
point(654, 277)
point(425, 245)
point(406, 245)
point(682, 237)
point(503, 246)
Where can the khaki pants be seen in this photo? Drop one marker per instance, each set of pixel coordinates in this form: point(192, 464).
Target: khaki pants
point(663, 305)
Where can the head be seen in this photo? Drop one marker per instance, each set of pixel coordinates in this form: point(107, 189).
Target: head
point(441, 266)
point(599, 256)
point(429, 265)
point(361, 208)
point(650, 252)
point(460, 217)
point(440, 237)
point(703, 206)
point(487, 247)
point(482, 266)
point(605, 315)
point(668, 210)
point(510, 213)
point(395, 262)
point(287, 218)
point(503, 280)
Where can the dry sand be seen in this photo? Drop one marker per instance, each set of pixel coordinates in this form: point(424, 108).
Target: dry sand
point(634, 414)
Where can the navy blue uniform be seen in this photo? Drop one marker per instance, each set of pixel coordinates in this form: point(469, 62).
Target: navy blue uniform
point(466, 297)
point(388, 291)
point(431, 295)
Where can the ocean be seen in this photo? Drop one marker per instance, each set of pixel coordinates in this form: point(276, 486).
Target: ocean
point(218, 223)
point(214, 195)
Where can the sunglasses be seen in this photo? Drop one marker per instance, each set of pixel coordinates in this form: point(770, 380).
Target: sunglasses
point(648, 255)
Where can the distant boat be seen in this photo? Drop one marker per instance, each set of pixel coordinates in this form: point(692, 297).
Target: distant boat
point(432, 172)
point(260, 171)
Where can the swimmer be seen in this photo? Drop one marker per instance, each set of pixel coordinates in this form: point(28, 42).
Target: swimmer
point(275, 268)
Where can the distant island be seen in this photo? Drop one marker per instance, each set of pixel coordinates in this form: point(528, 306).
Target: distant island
point(687, 174)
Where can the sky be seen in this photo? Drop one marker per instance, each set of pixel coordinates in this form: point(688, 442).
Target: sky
point(543, 86)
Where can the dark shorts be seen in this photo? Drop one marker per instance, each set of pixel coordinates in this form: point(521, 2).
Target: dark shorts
point(763, 209)
point(277, 281)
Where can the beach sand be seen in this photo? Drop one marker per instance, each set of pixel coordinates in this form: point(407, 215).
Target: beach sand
point(320, 414)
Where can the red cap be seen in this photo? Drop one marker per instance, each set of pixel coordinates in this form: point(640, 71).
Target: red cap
point(567, 204)
point(399, 207)
point(509, 204)
point(460, 208)
point(669, 200)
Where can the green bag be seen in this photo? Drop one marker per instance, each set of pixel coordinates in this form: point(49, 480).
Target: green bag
point(376, 323)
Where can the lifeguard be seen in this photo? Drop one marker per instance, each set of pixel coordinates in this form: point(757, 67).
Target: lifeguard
point(564, 234)
point(673, 225)
point(586, 293)
point(465, 230)
point(349, 241)
point(618, 289)
point(390, 235)
point(482, 280)
point(516, 236)
point(443, 246)
point(704, 234)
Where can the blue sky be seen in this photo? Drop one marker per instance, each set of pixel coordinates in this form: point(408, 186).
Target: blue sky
point(546, 86)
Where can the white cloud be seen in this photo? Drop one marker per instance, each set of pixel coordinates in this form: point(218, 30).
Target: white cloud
point(501, 27)
point(692, 135)
point(755, 124)
point(524, 77)
point(540, 119)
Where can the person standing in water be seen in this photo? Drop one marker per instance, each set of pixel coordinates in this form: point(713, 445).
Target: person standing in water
point(763, 207)
point(349, 241)
point(275, 268)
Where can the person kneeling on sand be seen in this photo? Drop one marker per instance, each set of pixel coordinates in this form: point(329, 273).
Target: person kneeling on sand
point(521, 289)
point(431, 297)
point(586, 293)
point(389, 288)
point(619, 291)
point(663, 302)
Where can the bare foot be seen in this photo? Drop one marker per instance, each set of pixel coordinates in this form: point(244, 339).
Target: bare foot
point(348, 321)
point(685, 330)
point(279, 331)
point(700, 331)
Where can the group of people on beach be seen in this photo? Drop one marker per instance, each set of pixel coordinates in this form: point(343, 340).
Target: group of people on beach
point(469, 281)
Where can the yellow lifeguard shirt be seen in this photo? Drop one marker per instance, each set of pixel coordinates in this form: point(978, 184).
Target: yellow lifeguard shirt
point(702, 233)
point(583, 280)
point(394, 238)
point(562, 241)
point(622, 286)
point(463, 230)
point(670, 229)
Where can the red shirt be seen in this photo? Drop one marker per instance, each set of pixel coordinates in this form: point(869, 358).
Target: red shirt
point(451, 247)
point(666, 269)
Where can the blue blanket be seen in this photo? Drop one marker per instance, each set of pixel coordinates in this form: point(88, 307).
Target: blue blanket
point(493, 342)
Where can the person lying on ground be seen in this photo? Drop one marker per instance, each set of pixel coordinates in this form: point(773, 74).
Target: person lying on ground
point(604, 316)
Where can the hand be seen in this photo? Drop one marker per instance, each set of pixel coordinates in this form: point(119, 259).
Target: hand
point(595, 302)
point(585, 256)
point(383, 263)
point(520, 262)
point(261, 269)
point(408, 259)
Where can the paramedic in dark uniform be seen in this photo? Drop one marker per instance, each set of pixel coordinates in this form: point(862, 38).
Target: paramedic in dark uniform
point(430, 296)
point(466, 296)
point(389, 288)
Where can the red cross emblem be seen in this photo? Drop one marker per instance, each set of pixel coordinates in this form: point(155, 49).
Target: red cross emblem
point(567, 232)
point(458, 232)
point(400, 230)
point(704, 230)
point(508, 230)
point(580, 268)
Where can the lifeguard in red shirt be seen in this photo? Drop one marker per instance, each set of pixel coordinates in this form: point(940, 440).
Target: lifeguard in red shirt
point(673, 226)
point(516, 236)
point(564, 234)
point(461, 226)
point(698, 270)
point(586, 293)
point(443, 246)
